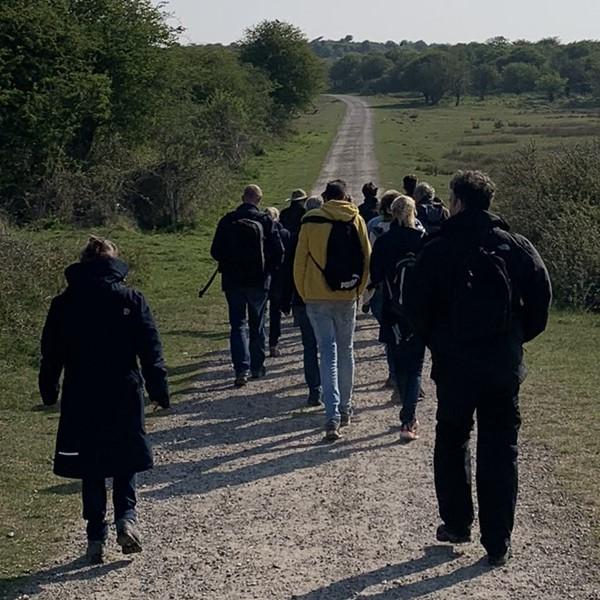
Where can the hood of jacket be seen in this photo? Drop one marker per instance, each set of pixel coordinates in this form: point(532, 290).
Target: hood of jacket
point(473, 220)
point(99, 272)
point(337, 210)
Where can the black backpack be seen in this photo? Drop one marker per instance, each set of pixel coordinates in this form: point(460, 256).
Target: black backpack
point(345, 260)
point(246, 244)
point(396, 289)
point(431, 216)
point(482, 306)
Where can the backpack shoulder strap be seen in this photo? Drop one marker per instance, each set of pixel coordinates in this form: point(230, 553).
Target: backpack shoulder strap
point(316, 219)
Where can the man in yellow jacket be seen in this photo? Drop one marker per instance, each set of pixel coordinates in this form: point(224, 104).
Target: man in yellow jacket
point(331, 269)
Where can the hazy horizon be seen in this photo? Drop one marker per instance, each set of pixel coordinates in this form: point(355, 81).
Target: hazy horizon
point(433, 21)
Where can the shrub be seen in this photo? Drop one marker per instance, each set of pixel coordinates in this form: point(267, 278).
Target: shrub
point(553, 198)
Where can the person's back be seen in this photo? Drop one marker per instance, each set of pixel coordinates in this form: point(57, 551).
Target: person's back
point(291, 217)
point(369, 209)
point(480, 293)
point(431, 213)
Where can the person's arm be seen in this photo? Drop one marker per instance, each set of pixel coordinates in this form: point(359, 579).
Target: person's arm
point(52, 356)
point(301, 259)
point(377, 262)
point(366, 248)
point(273, 245)
point(218, 248)
point(535, 290)
point(149, 349)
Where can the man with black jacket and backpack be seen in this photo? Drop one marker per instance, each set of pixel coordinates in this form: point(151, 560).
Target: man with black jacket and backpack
point(248, 248)
point(480, 293)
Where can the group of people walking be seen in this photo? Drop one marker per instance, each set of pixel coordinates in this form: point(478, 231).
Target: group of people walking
point(454, 280)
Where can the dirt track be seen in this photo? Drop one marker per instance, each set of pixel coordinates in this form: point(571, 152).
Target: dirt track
point(247, 502)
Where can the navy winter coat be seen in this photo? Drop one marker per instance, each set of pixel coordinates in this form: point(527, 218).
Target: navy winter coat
point(95, 332)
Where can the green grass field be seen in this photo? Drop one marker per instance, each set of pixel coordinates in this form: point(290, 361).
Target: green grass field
point(37, 507)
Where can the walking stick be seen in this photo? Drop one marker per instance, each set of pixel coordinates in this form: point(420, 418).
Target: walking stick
point(207, 286)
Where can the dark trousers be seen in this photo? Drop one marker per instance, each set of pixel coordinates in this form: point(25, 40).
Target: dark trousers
point(274, 319)
point(498, 422)
point(312, 374)
point(247, 320)
point(93, 495)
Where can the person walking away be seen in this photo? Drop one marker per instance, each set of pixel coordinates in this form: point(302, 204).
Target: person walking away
point(276, 290)
point(480, 293)
point(95, 332)
point(249, 250)
point(313, 202)
point(369, 209)
point(331, 268)
point(392, 269)
point(291, 216)
point(409, 182)
point(430, 211)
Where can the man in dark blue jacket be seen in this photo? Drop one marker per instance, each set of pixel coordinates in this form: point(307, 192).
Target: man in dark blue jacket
point(249, 250)
point(480, 293)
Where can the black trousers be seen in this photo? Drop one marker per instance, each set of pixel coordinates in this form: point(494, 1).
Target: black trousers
point(498, 422)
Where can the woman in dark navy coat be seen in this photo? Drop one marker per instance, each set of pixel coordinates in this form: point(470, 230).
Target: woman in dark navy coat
point(96, 331)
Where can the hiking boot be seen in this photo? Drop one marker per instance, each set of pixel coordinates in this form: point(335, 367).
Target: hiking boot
point(259, 374)
point(274, 352)
point(345, 419)
point(314, 399)
point(96, 552)
point(408, 431)
point(332, 432)
point(443, 534)
point(240, 380)
point(499, 560)
point(128, 536)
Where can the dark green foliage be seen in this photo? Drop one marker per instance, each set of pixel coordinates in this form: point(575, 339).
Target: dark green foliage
point(519, 77)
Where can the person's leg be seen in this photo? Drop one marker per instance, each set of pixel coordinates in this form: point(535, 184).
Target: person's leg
point(452, 457)
point(412, 362)
point(498, 422)
point(124, 497)
point(257, 305)
point(238, 339)
point(377, 310)
point(311, 353)
point(93, 496)
point(321, 319)
point(345, 320)
point(274, 320)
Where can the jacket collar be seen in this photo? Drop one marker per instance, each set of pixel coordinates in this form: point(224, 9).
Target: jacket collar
point(471, 220)
point(102, 271)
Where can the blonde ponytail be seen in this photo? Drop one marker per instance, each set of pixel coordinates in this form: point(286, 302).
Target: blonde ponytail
point(404, 210)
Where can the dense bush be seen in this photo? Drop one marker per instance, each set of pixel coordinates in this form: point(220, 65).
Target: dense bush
point(553, 198)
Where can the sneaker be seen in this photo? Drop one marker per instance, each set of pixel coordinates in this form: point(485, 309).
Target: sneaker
point(240, 380)
point(332, 432)
point(345, 419)
point(259, 374)
point(499, 560)
point(274, 352)
point(408, 431)
point(96, 552)
point(443, 534)
point(128, 536)
point(314, 399)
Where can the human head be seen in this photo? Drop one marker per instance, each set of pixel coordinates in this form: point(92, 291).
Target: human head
point(409, 183)
point(335, 190)
point(297, 195)
point(252, 195)
point(471, 189)
point(369, 190)
point(385, 206)
point(404, 210)
point(273, 213)
point(424, 192)
point(313, 202)
point(98, 247)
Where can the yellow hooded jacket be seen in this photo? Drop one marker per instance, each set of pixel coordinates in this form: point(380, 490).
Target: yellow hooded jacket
point(309, 280)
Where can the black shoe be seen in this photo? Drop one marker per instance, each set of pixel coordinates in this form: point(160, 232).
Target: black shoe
point(443, 534)
point(128, 536)
point(499, 560)
point(259, 374)
point(96, 552)
point(345, 419)
point(240, 381)
point(314, 399)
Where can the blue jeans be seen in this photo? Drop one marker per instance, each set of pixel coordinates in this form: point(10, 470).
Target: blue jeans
point(93, 495)
point(247, 320)
point(408, 358)
point(311, 353)
point(333, 324)
point(377, 310)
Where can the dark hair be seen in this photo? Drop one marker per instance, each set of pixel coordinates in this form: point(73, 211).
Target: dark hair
point(97, 247)
point(369, 190)
point(474, 188)
point(335, 190)
point(410, 183)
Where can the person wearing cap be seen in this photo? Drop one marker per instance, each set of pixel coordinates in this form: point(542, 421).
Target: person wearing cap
point(330, 308)
point(248, 248)
point(369, 209)
point(291, 217)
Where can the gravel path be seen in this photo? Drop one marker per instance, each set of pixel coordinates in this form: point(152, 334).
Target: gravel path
point(247, 502)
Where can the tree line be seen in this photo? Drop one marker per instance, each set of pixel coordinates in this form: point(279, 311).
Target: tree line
point(440, 70)
point(102, 112)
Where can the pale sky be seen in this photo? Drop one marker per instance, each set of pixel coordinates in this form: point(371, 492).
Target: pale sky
point(208, 21)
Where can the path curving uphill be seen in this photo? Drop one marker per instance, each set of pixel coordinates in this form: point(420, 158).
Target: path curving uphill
point(247, 502)
point(352, 154)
